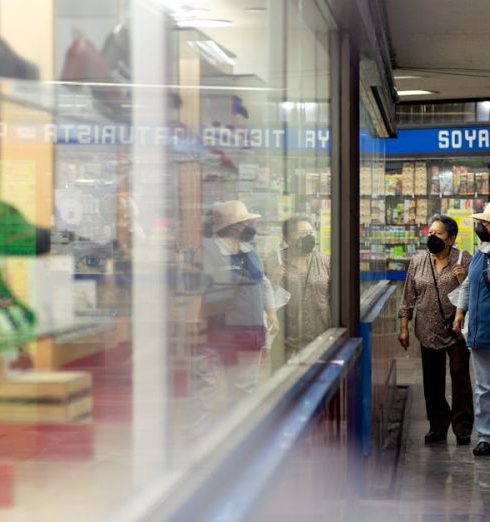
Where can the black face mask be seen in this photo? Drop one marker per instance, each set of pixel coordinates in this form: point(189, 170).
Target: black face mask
point(306, 244)
point(482, 232)
point(248, 233)
point(435, 244)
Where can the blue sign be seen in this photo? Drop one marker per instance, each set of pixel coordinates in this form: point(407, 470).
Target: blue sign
point(450, 139)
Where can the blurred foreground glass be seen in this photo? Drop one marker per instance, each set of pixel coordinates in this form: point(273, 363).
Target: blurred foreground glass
point(155, 310)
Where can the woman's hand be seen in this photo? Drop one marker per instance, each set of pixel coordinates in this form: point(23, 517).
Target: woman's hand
point(272, 321)
point(459, 272)
point(404, 337)
point(458, 321)
point(279, 272)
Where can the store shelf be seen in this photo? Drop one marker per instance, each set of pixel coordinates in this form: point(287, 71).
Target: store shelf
point(60, 333)
point(390, 275)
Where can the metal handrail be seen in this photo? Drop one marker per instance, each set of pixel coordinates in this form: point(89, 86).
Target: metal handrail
point(244, 453)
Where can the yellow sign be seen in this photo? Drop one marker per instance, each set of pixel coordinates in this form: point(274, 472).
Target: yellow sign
point(325, 231)
point(466, 234)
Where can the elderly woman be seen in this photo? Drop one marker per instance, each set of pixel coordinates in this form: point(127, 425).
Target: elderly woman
point(431, 277)
point(475, 297)
point(305, 274)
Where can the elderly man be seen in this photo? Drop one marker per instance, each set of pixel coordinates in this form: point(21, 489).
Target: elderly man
point(475, 298)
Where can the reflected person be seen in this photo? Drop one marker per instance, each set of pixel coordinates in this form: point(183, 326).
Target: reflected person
point(304, 272)
point(238, 307)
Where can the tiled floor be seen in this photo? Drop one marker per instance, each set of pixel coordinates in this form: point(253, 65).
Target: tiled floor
point(442, 482)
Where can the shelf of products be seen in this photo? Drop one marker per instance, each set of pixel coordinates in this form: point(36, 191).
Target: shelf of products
point(397, 204)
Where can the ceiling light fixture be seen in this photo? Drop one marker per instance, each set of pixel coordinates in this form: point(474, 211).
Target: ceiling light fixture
point(406, 77)
point(198, 23)
point(255, 9)
point(214, 52)
point(414, 92)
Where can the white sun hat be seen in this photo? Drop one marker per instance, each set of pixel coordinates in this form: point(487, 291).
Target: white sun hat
point(485, 215)
point(228, 213)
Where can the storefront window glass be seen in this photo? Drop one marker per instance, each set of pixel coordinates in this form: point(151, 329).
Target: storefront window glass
point(376, 231)
point(165, 206)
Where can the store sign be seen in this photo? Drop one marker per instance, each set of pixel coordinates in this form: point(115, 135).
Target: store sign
point(177, 136)
point(451, 139)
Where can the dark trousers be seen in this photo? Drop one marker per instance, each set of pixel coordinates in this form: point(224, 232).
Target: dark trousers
point(440, 415)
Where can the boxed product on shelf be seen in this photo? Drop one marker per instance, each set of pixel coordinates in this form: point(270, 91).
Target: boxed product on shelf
point(459, 176)
point(421, 215)
point(446, 182)
point(397, 211)
point(393, 184)
point(312, 180)
point(444, 205)
point(408, 169)
point(485, 183)
point(378, 211)
point(420, 178)
point(397, 266)
point(378, 181)
point(326, 181)
point(366, 186)
point(461, 180)
point(410, 212)
point(435, 187)
point(408, 181)
point(365, 211)
point(481, 182)
point(248, 171)
point(471, 183)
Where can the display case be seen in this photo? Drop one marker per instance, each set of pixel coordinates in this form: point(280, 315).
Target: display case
point(398, 203)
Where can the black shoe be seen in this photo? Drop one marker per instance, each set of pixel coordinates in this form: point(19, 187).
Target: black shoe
point(482, 448)
point(435, 436)
point(463, 439)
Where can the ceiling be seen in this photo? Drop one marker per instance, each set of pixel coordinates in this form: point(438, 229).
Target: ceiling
point(445, 43)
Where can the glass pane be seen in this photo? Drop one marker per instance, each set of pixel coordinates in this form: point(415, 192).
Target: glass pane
point(378, 194)
point(166, 232)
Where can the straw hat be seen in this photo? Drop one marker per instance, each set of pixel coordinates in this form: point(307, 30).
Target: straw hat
point(485, 215)
point(230, 212)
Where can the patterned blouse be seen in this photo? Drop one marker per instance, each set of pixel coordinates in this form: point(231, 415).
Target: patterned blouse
point(308, 311)
point(420, 294)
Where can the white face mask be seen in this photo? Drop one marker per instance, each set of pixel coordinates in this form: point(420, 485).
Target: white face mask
point(484, 247)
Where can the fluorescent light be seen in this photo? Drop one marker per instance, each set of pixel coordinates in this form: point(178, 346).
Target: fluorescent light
point(414, 92)
point(255, 9)
point(213, 52)
point(288, 106)
point(199, 23)
point(407, 77)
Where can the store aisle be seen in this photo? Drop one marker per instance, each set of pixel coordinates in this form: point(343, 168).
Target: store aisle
point(442, 482)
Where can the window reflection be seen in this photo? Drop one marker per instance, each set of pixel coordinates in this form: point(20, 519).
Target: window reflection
point(195, 205)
